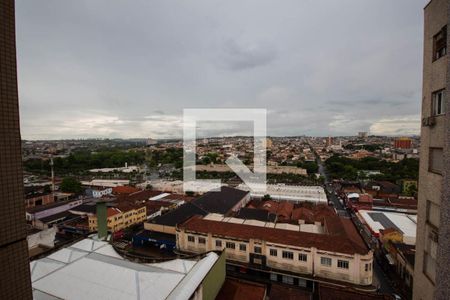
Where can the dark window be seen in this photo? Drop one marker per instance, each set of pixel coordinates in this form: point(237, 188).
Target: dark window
point(218, 243)
point(288, 254)
point(325, 261)
point(343, 264)
point(438, 103)
point(432, 214)
point(435, 160)
point(440, 43)
point(258, 249)
point(242, 247)
point(191, 239)
point(273, 252)
point(302, 257)
point(201, 240)
point(230, 245)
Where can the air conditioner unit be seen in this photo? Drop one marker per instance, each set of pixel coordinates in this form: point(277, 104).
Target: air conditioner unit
point(429, 121)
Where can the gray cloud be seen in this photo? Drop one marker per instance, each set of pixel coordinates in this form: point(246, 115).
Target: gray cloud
point(240, 57)
point(109, 68)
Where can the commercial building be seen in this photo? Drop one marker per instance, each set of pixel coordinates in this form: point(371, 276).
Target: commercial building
point(291, 256)
point(92, 269)
point(14, 271)
point(376, 221)
point(227, 201)
point(433, 229)
point(120, 217)
point(402, 143)
point(269, 170)
point(292, 193)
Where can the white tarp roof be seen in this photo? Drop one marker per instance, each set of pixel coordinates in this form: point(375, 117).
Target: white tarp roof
point(92, 269)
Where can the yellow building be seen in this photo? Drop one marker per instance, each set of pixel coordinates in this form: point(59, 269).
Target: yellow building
point(120, 217)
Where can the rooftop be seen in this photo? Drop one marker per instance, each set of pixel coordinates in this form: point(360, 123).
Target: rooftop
point(78, 272)
point(345, 240)
point(235, 289)
point(220, 202)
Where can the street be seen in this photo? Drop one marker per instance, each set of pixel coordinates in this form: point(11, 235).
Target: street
point(380, 279)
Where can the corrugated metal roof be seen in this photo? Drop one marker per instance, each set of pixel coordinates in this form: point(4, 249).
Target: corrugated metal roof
point(91, 269)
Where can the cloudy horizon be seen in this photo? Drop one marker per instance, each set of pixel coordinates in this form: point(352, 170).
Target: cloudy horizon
point(116, 69)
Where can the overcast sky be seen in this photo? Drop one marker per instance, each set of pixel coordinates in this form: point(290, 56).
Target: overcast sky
point(127, 69)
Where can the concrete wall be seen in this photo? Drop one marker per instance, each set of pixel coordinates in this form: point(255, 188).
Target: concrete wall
point(213, 281)
point(160, 228)
point(430, 184)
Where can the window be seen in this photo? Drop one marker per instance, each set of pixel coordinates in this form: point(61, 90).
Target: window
point(257, 249)
point(368, 267)
point(435, 160)
point(302, 257)
point(242, 247)
point(343, 264)
point(433, 214)
point(230, 245)
point(430, 253)
point(191, 239)
point(440, 44)
point(288, 254)
point(201, 240)
point(218, 243)
point(438, 103)
point(325, 261)
point(273, 252)
point(287, 280)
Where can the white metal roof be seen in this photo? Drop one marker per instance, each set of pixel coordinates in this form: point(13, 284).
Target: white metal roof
point(91, 269)
point(406, 223)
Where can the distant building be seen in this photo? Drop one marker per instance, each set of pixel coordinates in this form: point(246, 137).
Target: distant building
point(104, 183)
point(292, 193)
point(433, 229)
point(403, 143)
point(362, 134)
point(120, 217)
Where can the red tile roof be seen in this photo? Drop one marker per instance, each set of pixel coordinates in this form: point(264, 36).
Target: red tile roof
point(336, 242)
point(112, 211)
point(278, 291)
point(234, 289)
point(118, 190)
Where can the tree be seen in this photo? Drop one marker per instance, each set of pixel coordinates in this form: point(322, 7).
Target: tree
point(71, 185)
point(267, 197)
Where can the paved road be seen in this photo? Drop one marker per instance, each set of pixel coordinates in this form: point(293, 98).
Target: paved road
point(380, 278)
point(331, 193)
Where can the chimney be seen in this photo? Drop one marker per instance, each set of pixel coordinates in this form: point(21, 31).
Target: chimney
point(102, 228)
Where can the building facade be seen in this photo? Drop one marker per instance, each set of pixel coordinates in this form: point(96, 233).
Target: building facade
point(15, 280)
point(433, 237)
point(118, 219)
point(296, 255)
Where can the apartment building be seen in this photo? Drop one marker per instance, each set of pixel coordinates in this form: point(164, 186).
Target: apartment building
point(433, 237)
point(298, 257)
point(14, 272)
point(120, 217)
